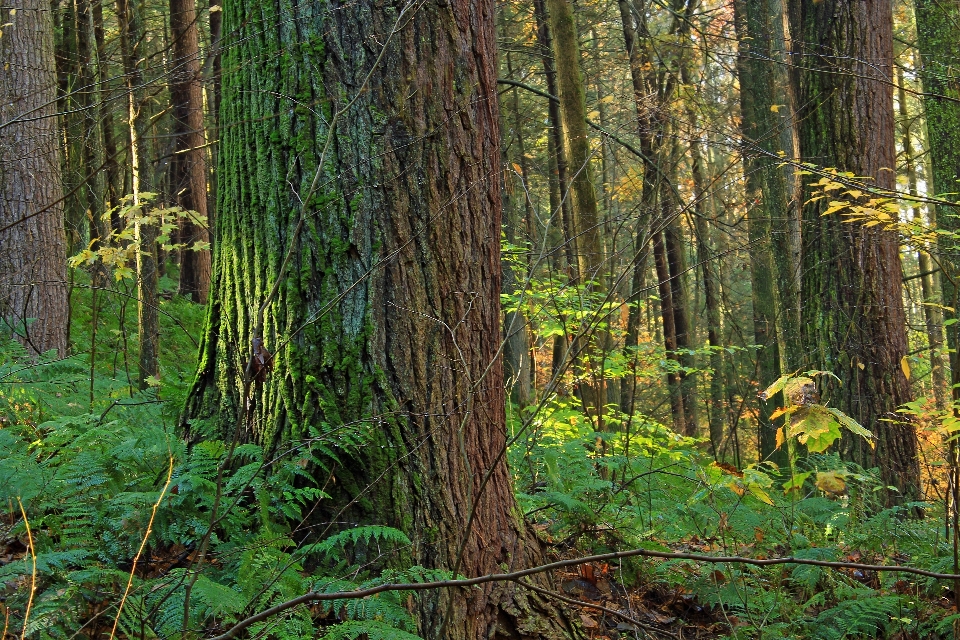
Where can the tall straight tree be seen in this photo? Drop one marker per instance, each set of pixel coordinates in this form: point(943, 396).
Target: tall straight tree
point(33, 291)
point(189, 167)
point(766, 196)
point(132, 42)
point(358, 238)
point(854, 321)
point(938, 39)
point(586, 226)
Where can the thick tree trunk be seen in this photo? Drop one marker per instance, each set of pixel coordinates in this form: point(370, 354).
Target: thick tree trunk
point(386, 326)
point(189, 167)
point(852, 290)
point(33, 292)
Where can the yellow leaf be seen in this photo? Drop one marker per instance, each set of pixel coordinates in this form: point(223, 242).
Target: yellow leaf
point(861, 366)
point(517, 168)
point(760, 495)
point(780, 437)
point(831, 482)
point(905, 366)
point(775, 108)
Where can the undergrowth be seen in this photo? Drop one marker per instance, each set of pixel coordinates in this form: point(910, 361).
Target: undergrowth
point(112, 495)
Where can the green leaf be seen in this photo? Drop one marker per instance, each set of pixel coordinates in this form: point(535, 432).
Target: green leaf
point(850, 424)
point(795, 483)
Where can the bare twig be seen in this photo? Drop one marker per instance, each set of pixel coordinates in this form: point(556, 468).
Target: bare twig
point(33, 574)
point(143, 544)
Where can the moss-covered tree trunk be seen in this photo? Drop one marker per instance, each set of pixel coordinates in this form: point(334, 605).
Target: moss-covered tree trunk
point(33, 292)
point(854, 321)
point(385, 327)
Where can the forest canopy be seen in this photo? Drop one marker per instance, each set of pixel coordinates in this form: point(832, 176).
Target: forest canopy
point(468, 319)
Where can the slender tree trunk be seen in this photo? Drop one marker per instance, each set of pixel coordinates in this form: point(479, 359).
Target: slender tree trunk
point(766, 196)
point(853, 304)
point(588, 344)
point(932, 315)
point(113, 177)
point(93, 130)
point(386, 325)
point(71, 103)
point(650, 124)
point(938, 39)
point(516, 348)
point(148, 321)
point(33, 292)
point(189, 170)
point(707, 270)
point(680, 305)
point(560, 202)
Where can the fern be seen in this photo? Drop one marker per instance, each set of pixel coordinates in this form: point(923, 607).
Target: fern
point(370, 629)
point(356, 535)
point(863, 618)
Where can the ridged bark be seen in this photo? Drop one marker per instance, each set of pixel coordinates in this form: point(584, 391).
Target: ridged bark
point(854, 320)
point(387, 325)
point(32, 243)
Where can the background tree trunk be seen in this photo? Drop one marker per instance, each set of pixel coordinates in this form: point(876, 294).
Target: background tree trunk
point(189, 166)
point(33, 258)
point(148, 319)
point(386, 327)
point(766, 200)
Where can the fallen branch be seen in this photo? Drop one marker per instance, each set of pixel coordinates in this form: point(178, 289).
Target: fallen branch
point(515, 576)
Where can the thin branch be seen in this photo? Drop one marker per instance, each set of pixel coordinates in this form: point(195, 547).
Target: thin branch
point(515, 576)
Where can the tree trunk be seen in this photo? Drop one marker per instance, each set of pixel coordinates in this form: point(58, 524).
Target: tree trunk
point(586, 241)
point(386, 327)
point(516, 348)
point(113, 175)
point(766, 196)
point(650, 128)
point(852, 289)
point(71, 104)
point(33, 292)
point(148, 320)
point(560, 204)
point(938, 39)
point(189, 167)
point(932, 314)
point(708, 271)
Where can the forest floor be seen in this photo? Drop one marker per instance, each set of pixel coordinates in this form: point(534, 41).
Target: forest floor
point(651, 610)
